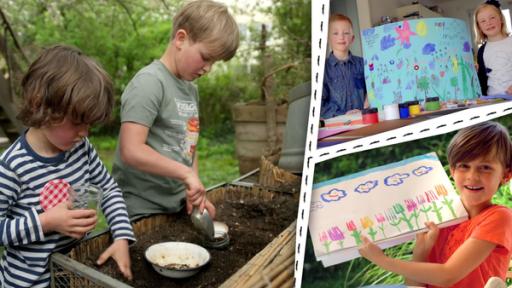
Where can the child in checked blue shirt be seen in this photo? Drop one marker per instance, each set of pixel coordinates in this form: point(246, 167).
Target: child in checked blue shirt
point(344, 88)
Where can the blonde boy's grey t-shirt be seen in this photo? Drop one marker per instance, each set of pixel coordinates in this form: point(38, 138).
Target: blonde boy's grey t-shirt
point(168, 106)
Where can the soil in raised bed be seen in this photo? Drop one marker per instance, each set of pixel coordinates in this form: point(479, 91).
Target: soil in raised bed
point(252, 225)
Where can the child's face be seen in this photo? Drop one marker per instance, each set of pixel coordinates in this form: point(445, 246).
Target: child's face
point(193, 61)
point(478, 180)
point(65, 135)
point(341, 36)
point(489, 21)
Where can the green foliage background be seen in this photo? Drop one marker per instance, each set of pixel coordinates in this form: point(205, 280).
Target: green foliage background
point(359, 272)
point(126, 35)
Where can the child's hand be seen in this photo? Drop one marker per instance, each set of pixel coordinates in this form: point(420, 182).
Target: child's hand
point(195, 192)
point(72, 223)
point(211, 209)
point(425, 241)
point(509, 90)
point(354, 111)
point(119, 251)
point(370, 251)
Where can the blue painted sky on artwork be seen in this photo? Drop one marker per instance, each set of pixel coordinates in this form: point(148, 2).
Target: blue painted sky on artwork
point(412, 60)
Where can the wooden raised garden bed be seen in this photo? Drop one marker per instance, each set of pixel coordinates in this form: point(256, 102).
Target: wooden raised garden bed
point(261, 250)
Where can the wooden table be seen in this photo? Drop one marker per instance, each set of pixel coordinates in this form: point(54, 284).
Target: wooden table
point(383, 126)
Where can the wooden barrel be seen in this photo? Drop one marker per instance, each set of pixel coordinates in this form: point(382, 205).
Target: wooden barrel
point(251, 133)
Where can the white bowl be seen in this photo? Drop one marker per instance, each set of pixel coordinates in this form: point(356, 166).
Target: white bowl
point(167, 257)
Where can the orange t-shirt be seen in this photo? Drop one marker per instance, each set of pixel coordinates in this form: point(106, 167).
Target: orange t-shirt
point(494, 224)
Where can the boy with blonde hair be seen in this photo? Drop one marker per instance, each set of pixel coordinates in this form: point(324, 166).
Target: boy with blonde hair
point(156, 163)
point(344, 89)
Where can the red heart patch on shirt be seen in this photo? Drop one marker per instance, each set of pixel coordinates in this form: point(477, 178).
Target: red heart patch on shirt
point(53, 193)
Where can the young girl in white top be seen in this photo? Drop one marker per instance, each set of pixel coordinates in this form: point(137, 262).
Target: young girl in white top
point(495, 54)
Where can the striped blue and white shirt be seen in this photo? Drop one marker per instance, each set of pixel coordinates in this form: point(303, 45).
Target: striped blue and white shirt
point(23, 174)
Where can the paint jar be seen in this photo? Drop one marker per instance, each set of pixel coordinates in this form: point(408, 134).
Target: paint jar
point(432, 104)
point(370, 116)
point(404, 110)
point(414, 107)
point(391, 112)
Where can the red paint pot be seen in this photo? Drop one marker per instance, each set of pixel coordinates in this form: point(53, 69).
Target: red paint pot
point(370, 116)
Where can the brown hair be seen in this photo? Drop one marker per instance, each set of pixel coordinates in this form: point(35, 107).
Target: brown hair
point(64, 83)
point(340, 17)
point(209, 22)
point(489, 139)
point(480, 36)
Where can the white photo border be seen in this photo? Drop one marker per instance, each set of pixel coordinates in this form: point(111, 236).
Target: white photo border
point(319, 26)
point(312, 156)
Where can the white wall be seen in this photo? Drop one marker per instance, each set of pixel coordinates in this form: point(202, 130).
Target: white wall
point(379, 8)
point(453, 9)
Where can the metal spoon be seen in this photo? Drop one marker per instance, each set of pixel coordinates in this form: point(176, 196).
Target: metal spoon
point(203, 222)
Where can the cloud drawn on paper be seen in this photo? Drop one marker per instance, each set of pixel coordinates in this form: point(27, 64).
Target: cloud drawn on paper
point(395, 179)
point(316, 205)
point(333, 195)
point(366, 186)
point(387, 42)
point(422, 170)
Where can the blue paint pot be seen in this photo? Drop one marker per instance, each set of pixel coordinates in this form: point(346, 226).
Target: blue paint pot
point(404, 110)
